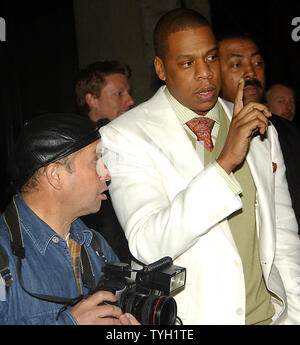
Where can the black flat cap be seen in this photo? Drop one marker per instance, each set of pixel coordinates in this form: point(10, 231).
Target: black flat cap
point(46, 139)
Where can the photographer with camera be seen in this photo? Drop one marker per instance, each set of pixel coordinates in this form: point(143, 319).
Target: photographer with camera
point(52, 261)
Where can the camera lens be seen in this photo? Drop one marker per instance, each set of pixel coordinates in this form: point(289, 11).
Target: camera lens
point(151, 309)
point(163, 310)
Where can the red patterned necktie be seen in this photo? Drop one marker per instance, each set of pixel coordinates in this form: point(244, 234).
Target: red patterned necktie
point(202, 127)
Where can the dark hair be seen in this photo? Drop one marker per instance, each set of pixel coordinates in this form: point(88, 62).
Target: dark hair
point(235, 34)
point(92, 79)
point(238, 35)
point(171, 22)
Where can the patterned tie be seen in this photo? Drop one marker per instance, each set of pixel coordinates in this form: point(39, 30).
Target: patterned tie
point(202, 127)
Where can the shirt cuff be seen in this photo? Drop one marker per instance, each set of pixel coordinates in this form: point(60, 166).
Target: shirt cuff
point(230, 180)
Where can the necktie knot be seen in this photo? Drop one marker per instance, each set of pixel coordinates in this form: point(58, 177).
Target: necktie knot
point(202, 128)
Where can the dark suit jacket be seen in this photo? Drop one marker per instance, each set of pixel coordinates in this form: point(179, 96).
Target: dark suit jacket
point(289, 138)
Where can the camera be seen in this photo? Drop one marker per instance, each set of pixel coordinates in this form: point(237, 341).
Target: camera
point(149, 296)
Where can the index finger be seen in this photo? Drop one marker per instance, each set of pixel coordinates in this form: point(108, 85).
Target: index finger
point(238, 102)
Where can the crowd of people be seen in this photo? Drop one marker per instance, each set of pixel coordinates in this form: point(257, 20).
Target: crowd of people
point(204, 172)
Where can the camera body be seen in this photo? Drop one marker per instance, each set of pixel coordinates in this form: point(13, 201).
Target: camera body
point(148, 296)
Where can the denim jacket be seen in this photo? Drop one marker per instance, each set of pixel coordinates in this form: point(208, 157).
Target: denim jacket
point(46, 269)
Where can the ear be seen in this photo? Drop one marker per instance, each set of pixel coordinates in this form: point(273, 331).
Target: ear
point(159, 68)
point(53, 175)
point(90, 100)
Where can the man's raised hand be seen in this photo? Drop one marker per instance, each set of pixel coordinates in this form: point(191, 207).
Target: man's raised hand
point(245, 122)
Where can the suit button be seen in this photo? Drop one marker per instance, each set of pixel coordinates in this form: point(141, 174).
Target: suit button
point(240, 311)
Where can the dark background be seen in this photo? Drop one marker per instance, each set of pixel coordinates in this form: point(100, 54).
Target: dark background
point(270, 24)
point(39, 58)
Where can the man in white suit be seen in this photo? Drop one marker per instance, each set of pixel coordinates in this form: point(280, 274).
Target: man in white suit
point(222, 213)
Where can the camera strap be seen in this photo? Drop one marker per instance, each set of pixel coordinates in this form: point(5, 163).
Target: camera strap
point(12, 220)
point(4, 268)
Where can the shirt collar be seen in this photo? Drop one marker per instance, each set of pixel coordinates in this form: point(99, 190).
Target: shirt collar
point(185, 114)
point(229, 104)
point(41, 233)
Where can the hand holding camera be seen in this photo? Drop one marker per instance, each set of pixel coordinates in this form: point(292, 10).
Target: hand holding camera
point(120, 300)
point(92, 311)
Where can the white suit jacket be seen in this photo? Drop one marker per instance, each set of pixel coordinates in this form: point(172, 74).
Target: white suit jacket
point(169, 204)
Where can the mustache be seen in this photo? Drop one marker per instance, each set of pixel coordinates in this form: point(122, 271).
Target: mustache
point(253, 82)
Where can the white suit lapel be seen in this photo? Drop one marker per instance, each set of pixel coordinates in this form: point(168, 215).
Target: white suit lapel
point(258, 152)
point(263, 179)
point(165, 130)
